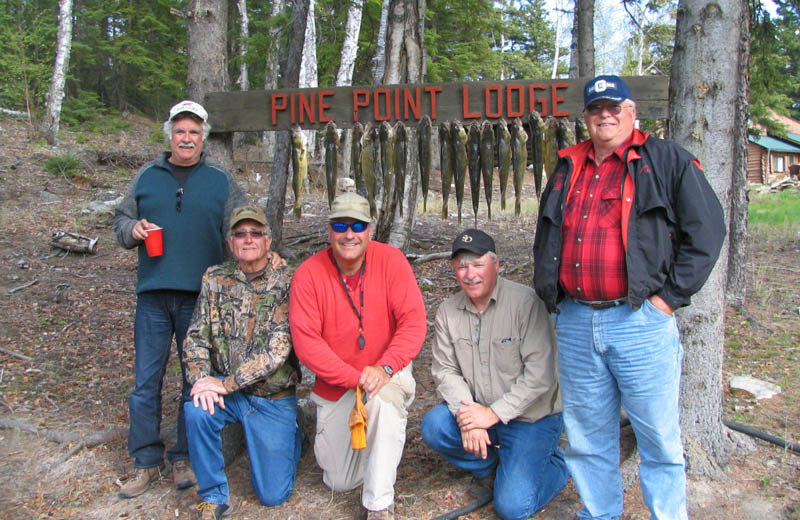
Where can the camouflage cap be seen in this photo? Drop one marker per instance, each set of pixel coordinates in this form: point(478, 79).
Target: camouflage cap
point(247, 213)
point(350, 205)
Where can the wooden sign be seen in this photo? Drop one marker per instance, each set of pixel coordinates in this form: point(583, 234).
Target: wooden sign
point(314, 107)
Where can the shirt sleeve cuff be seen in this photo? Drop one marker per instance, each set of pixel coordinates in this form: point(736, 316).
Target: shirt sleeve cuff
point(230, 384)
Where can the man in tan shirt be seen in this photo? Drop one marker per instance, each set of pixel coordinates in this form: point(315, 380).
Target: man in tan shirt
point(494, 365)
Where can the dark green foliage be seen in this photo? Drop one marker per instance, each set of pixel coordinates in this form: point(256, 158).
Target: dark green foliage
point(85, 111)
point(66, 164)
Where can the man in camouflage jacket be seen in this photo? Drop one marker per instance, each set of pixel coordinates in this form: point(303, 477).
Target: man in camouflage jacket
point(240, 363)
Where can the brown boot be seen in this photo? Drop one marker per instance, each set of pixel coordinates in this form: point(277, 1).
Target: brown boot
point(182, 474)
point(383, 514)
point(140, 481)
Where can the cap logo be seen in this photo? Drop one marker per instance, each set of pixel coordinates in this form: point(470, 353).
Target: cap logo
point(466, 238)
point(602, 85)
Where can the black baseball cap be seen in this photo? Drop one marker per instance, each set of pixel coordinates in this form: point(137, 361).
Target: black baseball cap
point(474, 241)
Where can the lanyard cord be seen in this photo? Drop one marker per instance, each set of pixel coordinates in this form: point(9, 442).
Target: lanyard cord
point(359, 315)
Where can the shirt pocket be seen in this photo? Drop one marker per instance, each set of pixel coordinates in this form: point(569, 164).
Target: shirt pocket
point(610, 208)
point(507, 357)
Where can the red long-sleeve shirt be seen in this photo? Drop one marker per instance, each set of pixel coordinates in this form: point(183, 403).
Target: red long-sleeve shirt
point(324, 327)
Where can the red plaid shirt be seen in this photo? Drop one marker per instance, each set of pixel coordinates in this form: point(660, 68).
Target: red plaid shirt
point(593, 256)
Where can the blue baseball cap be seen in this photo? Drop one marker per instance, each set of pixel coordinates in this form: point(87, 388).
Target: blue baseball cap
point(605, 87)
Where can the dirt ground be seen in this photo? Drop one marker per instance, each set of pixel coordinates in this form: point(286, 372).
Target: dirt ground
point(76, 326)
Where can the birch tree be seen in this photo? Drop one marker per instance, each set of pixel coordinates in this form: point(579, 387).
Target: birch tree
point(707, 107)
point(308, 73)
point(52, 117)
point(404, 64)
point(344, 77)
point(272, 70)
point(281, 163)
point(379, 61)
point(243, 81)
point(207, 47)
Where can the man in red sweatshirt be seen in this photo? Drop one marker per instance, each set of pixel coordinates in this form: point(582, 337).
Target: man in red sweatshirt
point(357, 318)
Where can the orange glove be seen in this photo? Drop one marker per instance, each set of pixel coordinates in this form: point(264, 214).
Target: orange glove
point(358, 423)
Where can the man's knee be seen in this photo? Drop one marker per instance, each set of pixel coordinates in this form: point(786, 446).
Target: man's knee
point(432, 426)
point(195, 416)
point(511, 504)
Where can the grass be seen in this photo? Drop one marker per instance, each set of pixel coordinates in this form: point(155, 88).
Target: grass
point(775, 213)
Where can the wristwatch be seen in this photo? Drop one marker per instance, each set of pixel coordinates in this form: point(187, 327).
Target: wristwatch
point(388, 370)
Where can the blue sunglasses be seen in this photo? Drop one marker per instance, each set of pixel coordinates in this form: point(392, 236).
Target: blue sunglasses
point(341, 227)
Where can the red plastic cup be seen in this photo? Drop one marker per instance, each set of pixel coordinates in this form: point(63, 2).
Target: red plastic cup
point(154, 242)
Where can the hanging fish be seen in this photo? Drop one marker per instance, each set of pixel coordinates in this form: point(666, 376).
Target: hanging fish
point(367, 161)
point(400, 144)
point(459, 161)
point(299, 168)
point(355, 159)
point(581, 132)
point(425, 150)
point(519, 147)
point(387, 164)
point(535, 136)
point(445, 163)
point(565, 135)
point(474, 152)
point(487, 162)
point(550, 145)
point(377, 167)
point(503, 159)
point(331, 166)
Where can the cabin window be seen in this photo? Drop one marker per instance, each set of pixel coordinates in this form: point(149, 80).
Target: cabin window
point(779, 163)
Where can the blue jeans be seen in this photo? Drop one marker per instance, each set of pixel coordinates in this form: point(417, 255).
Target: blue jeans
point(273, 444)
point(612, 356)
point(159, 315)
point(530, 467)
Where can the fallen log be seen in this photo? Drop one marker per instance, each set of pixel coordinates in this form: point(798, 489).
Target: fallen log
point(418, 259)
point(73, 242)
point(87, 439)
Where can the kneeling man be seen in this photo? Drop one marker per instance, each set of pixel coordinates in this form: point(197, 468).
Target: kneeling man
point(241, 366)
point(494, 363)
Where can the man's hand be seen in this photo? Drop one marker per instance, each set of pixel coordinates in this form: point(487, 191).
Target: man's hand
point(275, 260)
point(372, 379)
point(473, 415)
point(476, 441)
point(208, 391)
point(659, 303)
point(139, 231)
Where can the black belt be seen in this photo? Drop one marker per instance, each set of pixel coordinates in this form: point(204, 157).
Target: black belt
point(602, 304)
point(277, 395)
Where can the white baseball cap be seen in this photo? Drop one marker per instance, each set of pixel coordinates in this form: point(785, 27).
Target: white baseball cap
point(188, 106)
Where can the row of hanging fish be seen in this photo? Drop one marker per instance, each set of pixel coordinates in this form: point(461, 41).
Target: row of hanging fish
point(378, 159)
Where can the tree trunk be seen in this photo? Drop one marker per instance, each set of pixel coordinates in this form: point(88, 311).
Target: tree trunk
point(207, 46)
point(272, 71)
point(379, 61)
point(309, 78)
point(574, 58)
point(704, 104)
point(280, 162)
point(557, 50)
point(243, 81)
point(52, 117)
point(584, 12)
point(737, 256)
point(345, 75)
point(404, 64)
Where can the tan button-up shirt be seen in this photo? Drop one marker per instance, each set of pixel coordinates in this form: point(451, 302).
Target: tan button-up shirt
point(503, 357)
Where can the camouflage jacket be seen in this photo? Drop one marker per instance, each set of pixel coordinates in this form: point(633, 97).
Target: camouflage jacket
point(240, 330)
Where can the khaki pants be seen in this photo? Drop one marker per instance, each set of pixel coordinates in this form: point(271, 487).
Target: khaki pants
point(375, 466)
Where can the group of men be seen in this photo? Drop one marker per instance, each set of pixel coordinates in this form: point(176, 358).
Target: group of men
point(628, 230)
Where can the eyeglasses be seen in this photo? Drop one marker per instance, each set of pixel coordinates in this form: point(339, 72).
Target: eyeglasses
point(341, 227)
point(596, 109)
point(254, 233)
point(178, 199)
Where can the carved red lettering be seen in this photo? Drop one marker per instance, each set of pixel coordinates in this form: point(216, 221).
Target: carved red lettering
point(397, 103)
point(277, 102)
point(432, 92)
point(556, 99)
point(487, 101)
point(465, 104)
point(520, 95)
point(532, 99)
point(306, 105)
point(377, 104)
point(411, 103)
point(360, 100)
point(323, 106)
